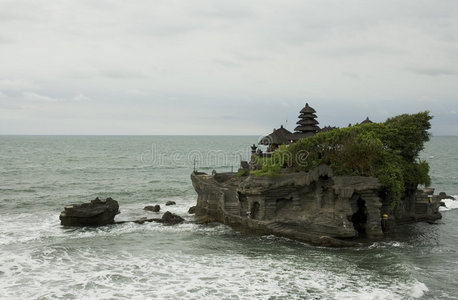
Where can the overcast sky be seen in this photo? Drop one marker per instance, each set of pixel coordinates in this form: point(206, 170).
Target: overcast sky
point(223, 67)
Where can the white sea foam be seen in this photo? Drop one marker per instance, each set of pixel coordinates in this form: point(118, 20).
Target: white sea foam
point(390, 244)
point(418, 290)
point(53, 262)
point(98, 274)
point(27, 227)
point(85, 271)
point(449, 204)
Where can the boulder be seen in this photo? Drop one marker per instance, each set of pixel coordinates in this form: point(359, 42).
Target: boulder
point(168, 203)
point(95, 213)
point(153, 208)
point(443, 196)
point(192, 210)
point(171, 219)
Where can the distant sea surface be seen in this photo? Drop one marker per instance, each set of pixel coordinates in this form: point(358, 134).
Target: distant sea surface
point(40, 259)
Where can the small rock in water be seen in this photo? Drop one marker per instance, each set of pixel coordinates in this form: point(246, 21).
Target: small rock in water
point(443, 196)
point(141, 220)
point(170, 203)
point(153, 208)
point(192, 210)
point(171, 219)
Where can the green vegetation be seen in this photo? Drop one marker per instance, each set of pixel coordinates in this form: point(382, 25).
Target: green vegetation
point(243, 172)
point(271, 166)
point(388, 151)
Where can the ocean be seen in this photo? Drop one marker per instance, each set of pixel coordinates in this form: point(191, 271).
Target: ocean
point(40, 259)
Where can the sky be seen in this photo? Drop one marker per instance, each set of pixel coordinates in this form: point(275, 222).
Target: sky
point(214, 67)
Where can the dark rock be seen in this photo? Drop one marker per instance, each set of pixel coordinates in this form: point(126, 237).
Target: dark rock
point(153, 208)
point(141, 220)
point(244, 165)
point(171, 219)
point(442, 204)
point(443, 196)
point(192, 210)
point(168, 203)
point(317, 206)
point(95, 213)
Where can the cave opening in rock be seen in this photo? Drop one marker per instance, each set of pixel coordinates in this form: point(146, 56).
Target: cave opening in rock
point(254, 213)
point(359, 218)
point(243, 202)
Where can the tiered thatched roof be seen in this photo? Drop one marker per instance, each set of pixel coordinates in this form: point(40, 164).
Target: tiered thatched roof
point(279, 136)
point(307, 124)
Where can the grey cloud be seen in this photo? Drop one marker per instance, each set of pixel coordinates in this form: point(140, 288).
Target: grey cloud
point(90, 72)
point(39, 98)
point(122, 74)
point(6, 40)
point(226, 63)
point(17, 85)
point(433, 71)
point(351, 75)
point(225, 9)
point(358, 51)
point(229, 64)
point(16, 14)
point(163, 31)
point(7, 103)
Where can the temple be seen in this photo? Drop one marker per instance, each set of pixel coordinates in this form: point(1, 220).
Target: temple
point(307, 124)
point(316, 206)
point(280, 136)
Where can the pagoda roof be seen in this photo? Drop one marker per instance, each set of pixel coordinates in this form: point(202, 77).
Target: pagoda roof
point(307, 128)
point(307, 116)
point(307, 122)
point(277, 137)
point(308, 109)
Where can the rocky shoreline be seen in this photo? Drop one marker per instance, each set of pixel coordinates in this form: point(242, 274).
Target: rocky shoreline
point(102, 212)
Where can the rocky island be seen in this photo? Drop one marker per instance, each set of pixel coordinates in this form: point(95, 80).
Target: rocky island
point(326, 186)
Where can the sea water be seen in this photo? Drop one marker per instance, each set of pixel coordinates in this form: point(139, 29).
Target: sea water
point(40, 259)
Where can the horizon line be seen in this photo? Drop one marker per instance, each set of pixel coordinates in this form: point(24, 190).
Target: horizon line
point(164, 135)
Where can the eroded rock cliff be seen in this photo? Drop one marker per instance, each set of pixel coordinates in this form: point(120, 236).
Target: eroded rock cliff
point(315, 206)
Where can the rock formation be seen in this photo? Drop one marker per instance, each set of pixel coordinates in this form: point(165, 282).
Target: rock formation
point(443, 195)
point(153, 208)
point(95, 213)
point(170, 219)
point(192, 210)
point(102, 212)
point(315, 207)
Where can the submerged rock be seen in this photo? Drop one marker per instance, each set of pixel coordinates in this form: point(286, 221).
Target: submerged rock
point(95, 213)
point(168, 218)
point(153, 208)
point(168, 203)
